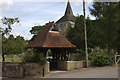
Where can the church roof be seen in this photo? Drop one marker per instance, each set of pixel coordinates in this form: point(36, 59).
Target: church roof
point(50, 39)
point(68, 16)
point(68, 9)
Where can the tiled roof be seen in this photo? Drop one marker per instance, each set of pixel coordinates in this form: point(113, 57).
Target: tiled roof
point(50, 39)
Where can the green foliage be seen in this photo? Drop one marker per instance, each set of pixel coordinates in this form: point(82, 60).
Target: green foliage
point(49, 53)
point(20, 45)
point(101, 58)
point(77, 59)
point(76, 35)
point(107, 25)
point(116, 40)
point(34, 58)
point(97, 9)
point(35, 31)
point(13, 45)
point(8, 22)
point(94, 34)
point(81, 55)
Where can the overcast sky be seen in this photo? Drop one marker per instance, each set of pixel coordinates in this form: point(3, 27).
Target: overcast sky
point(37, 13)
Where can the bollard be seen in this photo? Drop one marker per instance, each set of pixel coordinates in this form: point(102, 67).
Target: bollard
point(43, 70)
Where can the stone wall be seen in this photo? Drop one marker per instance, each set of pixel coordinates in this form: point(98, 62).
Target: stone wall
point(23, 70)
point(71, 65)
point(62, 65)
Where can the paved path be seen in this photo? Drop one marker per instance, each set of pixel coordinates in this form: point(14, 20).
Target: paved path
point(94, 72)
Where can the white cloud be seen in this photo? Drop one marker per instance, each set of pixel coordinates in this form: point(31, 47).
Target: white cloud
point(80, 2)
point(57, 18)
point(0, 17)
point(5, 5)
point(66, 1)
point(51, 0)
point(89, 1)
point(77, 4)
point(92, 18)
point(27, 36)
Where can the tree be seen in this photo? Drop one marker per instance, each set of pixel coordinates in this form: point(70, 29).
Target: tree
point(95, 33)
point(36, 30)
point(13, 45)
point(117, 31)
point(20, 45)
point(97, 9)
point(8, 22)
point(76, 35)
point(4, 50)
point(10, 46)
point(107, 13)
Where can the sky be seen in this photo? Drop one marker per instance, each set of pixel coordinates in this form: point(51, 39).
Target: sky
point(33, 13)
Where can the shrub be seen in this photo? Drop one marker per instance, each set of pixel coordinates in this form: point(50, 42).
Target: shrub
point(77, 59)
point(81, 55)
point(101, 58)
point(34, 58)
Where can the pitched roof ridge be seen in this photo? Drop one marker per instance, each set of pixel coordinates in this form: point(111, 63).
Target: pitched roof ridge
point(48, 25)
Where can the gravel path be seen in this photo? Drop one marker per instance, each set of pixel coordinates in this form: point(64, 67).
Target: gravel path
point(93, 72)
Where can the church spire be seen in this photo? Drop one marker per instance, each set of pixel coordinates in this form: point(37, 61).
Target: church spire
point(68, 9)
point(68, 16)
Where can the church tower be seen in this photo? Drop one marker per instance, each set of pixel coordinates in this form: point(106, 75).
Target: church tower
point(68, 20)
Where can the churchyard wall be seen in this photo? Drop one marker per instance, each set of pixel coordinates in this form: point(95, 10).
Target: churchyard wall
point(23, 69)
point(71, 65)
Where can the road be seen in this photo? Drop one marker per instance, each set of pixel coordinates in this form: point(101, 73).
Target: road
point(93, 72)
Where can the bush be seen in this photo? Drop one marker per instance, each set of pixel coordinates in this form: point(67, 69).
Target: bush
point(77, 59)
point(81, 55)
point(34, 58)
point(101, 58)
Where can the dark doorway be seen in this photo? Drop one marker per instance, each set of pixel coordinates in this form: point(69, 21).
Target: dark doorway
point(53, 65)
